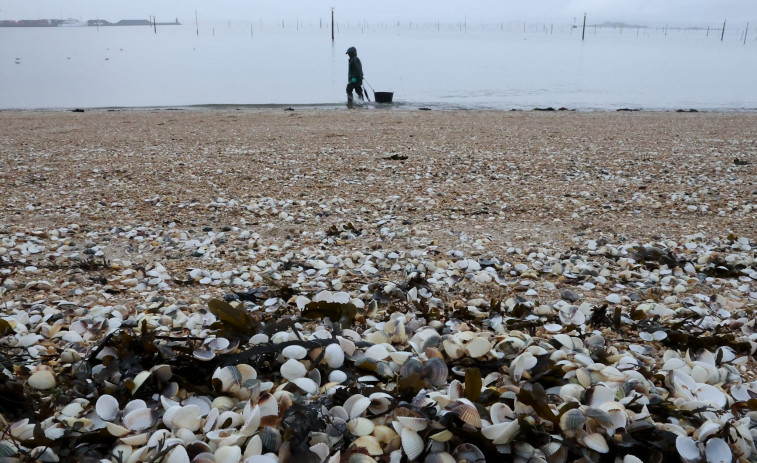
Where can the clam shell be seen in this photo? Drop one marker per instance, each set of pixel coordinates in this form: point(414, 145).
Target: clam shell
point(293, 369)
point(478, 347)
point(718, 451)
point(294, 352)
point(436, 371)
point(412, 422)
point(384, 434)
point(687, 448)
point(41, 380)
point(412, 443)
point(188, 417)
point(466, 411)
point(116, 430)
point(228, 454)
point(596, 442)
point(501, 433)
point(572, 420)
point(306, 384)
point(321, 450)
point(107, 407)
point(140, 419)
point(333, 354)
point(177, 455)
point(356, 405)
point(369, 443)
point(360, 426)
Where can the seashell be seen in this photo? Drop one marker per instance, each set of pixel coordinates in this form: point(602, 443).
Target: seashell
point(718, 451)
point(292, 369)
point(360, 426)
point(271, 438)
point(132, 405)
point(500, 413)
point(140, 419)
point(436, 371)
point(521, 364)
point(632, 459)
point(412, 366)
point(116, 430)
point(42, 380)
point(412, 443)
point(466, 411)
point(453, 348)
point(306, 384)
point(333, 354)
point(321, 450)
point(369, 443)
point(412, 422)
point(596, 442)
point(439, 457)
point(356, 405)
point(188, 417)
point(380, 402)
point(468, 452)
point(478, 347)
point(384, 434)
point(687, 448)
point(442, 436)
point(572, 420)
point(136, 440)
point(107, 407)
point(178, 454)
point(501, 433)
point(294, 352)
point(228, 454)
point(123, 450)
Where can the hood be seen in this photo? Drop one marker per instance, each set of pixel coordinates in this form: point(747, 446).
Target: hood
point(352, 51)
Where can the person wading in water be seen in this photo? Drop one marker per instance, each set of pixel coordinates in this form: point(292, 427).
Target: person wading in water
point(354, 75)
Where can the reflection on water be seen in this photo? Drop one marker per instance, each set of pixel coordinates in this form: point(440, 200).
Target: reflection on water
point(502, 68)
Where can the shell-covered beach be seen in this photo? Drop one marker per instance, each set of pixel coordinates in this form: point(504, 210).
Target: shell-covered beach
point(378, 285)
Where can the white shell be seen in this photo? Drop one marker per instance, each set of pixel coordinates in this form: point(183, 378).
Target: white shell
point(294, 352)
point(478, 347)
point(177, 455)
point(596, 442)
point(187, 417)
point(356, 405)
point(412, 444)
point(413, 423)
point(42, 380)
point(228, 454)
point(334, 355)
point(306, 384)
point(718, 451)
point(140, 419)
point(293, 369)
point(501, 433)
point(107, 407)
point(377, 352)
point(360, 426)
point(337, 376)
point(687, 448)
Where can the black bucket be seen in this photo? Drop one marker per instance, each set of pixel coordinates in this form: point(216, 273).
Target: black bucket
point(383, 97)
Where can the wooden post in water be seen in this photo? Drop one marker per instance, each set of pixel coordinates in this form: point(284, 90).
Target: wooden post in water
point(746, 32)
point(583, 31)
point(197, 24)
point(332, 24)
point(155, 24)
point(723, 32)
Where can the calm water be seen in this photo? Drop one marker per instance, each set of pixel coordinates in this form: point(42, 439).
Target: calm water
point(501, 67)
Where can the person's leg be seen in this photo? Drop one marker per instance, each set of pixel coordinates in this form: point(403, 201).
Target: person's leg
point(349, 91)
point(359, 91)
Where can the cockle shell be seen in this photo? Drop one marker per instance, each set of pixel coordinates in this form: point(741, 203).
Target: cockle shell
point(107, 407)
point(412, 443)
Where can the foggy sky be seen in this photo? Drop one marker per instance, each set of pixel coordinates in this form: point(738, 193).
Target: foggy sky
point(649, 12)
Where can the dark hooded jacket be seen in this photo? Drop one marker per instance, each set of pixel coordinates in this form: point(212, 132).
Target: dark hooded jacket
point(355, 67)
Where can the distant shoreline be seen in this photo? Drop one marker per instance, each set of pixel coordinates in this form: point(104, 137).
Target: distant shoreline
point(88, 23)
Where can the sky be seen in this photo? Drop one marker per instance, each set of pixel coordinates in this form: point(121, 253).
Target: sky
point(642, 12)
